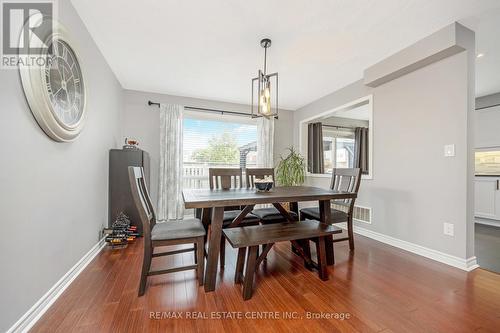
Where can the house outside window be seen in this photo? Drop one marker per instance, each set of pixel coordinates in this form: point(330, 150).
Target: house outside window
point(212, 142)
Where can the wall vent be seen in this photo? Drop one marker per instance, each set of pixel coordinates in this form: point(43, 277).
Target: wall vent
point(362, 214)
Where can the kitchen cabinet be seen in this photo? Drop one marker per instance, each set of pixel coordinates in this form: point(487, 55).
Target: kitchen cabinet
point(487, 197)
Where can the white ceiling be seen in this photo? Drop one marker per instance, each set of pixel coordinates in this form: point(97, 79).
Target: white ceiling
point(210, 49)
point(487, 28)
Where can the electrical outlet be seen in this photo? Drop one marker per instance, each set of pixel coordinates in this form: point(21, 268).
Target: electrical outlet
point(448, 229)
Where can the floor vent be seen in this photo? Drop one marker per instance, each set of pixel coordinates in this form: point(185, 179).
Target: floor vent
point(362, 214)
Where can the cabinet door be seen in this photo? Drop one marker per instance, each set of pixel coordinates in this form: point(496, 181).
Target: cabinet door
point(487, 198)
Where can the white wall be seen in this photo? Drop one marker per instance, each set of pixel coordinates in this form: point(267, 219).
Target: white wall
point(142, 122)
point(487, 133)
point(53, 196)
point(415, 188)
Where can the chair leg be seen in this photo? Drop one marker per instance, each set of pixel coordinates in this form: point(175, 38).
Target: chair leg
point(200, 254)
point(195, 253)
point(350, 232)
point(146, 265)
point(222, 252)
point(240, 262)
point(249, 273)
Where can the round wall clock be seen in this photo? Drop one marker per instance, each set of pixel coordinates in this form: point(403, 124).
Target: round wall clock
point(55, 87)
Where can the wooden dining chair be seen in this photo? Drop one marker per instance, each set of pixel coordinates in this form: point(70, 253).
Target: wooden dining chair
point(343, 179)
point(268, 214)
point(189, 231)
point(225, 179)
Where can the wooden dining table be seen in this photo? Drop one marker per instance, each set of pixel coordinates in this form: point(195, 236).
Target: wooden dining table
point(214, 201)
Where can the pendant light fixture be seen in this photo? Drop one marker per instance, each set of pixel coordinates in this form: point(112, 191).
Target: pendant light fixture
point(265, 89)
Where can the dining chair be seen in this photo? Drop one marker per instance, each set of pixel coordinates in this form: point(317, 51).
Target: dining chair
point(225, 179)
point(268, 214)
point(343, 179)
point(188, 231)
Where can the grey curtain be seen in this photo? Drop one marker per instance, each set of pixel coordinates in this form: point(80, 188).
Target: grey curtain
point(361, 149)
point(315, 160)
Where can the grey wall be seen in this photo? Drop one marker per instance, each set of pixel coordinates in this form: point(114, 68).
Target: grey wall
point(414, 187)
point(53, 197)
point(347, 122)
point(142, 122)
point(487, 101)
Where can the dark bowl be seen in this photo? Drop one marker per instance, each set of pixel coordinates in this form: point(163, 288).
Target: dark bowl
point(263, 186)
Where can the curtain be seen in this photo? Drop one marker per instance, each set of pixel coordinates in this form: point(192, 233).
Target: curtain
point(361, 149)
point(265, 142)
point(315, 158)
point(170, 202)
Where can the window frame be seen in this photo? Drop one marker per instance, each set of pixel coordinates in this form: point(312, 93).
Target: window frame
point(366, 100)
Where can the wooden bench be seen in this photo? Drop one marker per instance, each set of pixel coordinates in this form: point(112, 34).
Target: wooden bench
point(253, 236)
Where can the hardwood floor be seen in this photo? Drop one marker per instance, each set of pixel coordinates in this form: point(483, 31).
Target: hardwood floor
point(380, 288)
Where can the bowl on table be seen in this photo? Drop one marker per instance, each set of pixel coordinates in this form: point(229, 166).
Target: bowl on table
point(263, 185)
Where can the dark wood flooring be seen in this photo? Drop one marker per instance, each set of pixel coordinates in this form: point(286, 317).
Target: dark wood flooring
point(380, 288)
point(487, 244)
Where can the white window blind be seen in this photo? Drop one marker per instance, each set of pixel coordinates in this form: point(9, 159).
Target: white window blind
point(216, 142)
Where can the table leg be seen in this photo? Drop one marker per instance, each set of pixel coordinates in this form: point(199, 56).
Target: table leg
point(214, 248)
point(325, 215)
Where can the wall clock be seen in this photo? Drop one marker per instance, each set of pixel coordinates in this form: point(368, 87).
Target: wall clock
point(55, 91)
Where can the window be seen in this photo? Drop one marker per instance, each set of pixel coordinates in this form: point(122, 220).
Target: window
point(215, 143)
point(338, 149)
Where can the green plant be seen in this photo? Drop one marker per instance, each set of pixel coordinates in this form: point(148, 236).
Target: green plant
point(291, 169)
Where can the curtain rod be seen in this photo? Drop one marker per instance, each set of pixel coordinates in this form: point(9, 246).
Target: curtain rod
point(222, 112)
point(338, 126)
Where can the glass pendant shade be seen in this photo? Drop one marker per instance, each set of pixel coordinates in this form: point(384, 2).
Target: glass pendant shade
point(265, 95)
point(265, 99)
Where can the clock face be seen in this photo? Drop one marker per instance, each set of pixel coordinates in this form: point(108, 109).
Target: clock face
point(64, 84)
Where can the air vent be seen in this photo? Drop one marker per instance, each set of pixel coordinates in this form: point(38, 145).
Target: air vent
point(362, 214)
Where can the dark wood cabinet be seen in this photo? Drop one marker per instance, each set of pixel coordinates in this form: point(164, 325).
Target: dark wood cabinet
point(120, 195)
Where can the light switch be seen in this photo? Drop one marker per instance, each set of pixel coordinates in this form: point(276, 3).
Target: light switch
point(449, 150)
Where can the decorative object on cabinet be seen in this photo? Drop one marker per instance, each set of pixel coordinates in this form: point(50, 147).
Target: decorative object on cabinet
point(55, 91)
point(131, 143)
point(120, 196)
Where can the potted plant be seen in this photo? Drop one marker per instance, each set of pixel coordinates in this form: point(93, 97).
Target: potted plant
point(291, 169)
point(291, 172)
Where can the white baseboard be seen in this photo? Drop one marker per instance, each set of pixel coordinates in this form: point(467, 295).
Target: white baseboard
point(31, 317)
point(464, 264)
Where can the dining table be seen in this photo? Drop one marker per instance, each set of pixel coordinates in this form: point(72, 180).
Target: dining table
point(213, 202)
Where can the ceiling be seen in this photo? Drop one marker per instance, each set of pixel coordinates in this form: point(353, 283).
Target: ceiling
point(487, 28)
point(210, 49)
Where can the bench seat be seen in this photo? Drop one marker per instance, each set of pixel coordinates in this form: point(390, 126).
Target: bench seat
point(278, 232)
point(298, 233)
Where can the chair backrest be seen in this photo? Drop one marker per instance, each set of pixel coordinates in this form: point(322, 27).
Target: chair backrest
point(348, 180)
point(257, 173)
point(225, 178)
point(142, 200)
